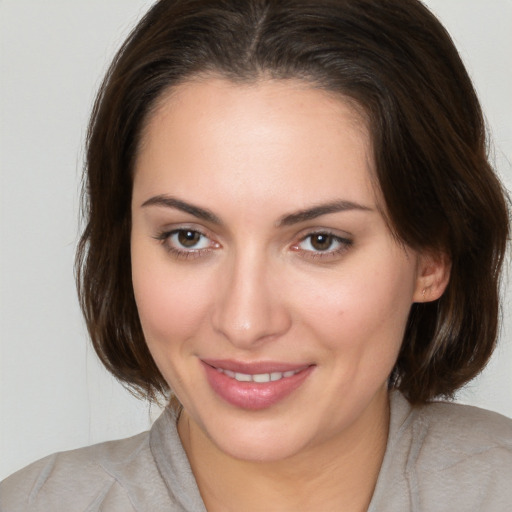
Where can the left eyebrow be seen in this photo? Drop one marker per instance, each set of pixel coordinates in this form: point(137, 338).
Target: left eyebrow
point(318, 211)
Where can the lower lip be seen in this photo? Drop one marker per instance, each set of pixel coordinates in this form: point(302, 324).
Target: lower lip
point(251, 395)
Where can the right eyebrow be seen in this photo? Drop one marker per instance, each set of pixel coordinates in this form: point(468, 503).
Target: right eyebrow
point(178, 204)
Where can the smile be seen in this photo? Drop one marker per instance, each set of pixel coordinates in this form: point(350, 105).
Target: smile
point(255, 386)
point(259, 377)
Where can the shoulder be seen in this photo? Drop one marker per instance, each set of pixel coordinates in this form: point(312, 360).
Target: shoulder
point(98, 477)
point(457, 455)
point(469, 425)
point(454, 434)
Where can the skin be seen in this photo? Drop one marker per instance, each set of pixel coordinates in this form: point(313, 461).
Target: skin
point(255, 288)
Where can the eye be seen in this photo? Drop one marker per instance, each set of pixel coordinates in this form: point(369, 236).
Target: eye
point(186, 243)
point(322, 245)
point(318, 242)
point(188, 239)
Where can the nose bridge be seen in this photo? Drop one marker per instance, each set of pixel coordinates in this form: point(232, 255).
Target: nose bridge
point(249, 308)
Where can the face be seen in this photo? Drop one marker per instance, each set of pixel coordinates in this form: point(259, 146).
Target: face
point(271, 293)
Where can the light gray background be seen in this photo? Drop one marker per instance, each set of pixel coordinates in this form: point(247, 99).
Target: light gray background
point(53, 393)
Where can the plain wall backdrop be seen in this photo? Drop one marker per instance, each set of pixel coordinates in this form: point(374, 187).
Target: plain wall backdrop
point(54, 395)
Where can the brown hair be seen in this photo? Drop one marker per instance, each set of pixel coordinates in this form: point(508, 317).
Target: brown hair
point(397, 62)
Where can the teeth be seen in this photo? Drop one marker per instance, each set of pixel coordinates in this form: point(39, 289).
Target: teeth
point(259, 377)
point(262, 377)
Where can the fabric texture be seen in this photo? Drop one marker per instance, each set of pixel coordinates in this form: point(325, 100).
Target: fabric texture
point(441, 457)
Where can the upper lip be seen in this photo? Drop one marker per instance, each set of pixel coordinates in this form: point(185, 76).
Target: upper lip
point(254, 368)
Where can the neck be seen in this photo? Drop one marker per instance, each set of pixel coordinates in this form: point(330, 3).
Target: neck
point(338, 474)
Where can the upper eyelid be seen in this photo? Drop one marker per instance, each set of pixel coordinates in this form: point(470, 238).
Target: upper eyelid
point(164, 238)
point(342, 239)
point(210, 242)
point(345, 245)
point(171, 232)
point(337, 233)
point(174, 228)
point(328, 233)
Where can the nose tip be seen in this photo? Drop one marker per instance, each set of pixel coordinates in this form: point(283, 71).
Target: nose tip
point(250, 308)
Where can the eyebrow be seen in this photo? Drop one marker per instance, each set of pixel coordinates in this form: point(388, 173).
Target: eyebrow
point(172, 202)
point(287, 220)
point(322, 209)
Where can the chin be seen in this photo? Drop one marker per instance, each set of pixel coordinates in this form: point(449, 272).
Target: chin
point(263, 436)
point(260, 446)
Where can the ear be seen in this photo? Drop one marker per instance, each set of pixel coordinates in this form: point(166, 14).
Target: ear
point(433, 276)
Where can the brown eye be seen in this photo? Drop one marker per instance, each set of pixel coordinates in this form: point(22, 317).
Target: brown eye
point(321, 241)
point(323, 244)
point(187, 243)
point(188, 238)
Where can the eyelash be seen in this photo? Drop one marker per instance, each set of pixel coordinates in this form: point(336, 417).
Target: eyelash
point(344, 245)
point(165, 239)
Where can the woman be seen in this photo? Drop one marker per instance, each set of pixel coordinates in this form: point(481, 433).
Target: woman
point(292, 225)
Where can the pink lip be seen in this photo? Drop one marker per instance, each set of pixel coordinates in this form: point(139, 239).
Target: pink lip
point(251, 395)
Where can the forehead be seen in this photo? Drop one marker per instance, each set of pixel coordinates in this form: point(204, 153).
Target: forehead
point(259, 139)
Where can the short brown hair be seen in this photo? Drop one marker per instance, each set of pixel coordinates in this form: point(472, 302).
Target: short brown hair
point(398, 63)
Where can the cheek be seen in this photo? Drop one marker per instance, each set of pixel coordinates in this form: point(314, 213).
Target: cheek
point(364, 307)
point(171, 306)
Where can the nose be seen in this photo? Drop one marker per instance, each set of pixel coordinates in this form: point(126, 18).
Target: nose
point(250, 308)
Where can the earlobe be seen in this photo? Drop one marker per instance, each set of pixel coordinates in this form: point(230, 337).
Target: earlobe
point(433, 276)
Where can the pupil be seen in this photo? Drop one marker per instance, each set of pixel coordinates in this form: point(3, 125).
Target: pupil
point(321, 242)
point(188, 238)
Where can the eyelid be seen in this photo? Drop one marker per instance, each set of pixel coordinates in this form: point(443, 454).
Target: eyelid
point(165, 234)
point(345, 240)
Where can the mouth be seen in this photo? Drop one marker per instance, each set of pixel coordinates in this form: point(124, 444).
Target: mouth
point(254, 386)
point(258, 377)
